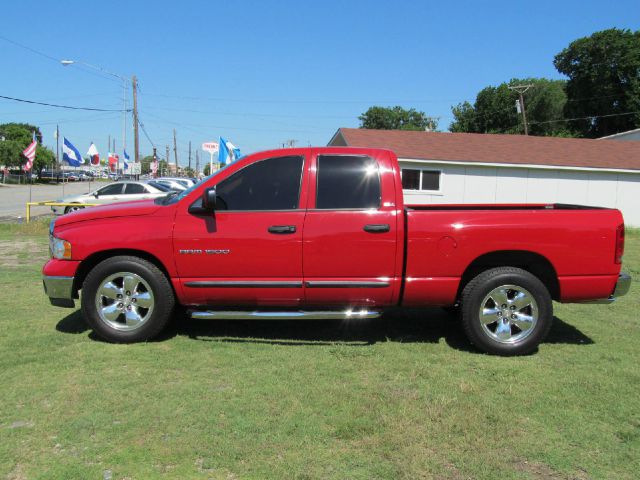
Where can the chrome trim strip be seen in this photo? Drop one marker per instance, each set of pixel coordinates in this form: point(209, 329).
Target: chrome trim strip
point(243, 284)
point(345, 284)
point(292, 315)
point(58, 287)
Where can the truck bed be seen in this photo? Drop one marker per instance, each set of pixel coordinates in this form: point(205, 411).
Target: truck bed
point(503, 206)
point(446, 242)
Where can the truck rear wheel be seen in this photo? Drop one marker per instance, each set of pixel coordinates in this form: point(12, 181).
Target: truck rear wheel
point(127, 299)
point(506, 311)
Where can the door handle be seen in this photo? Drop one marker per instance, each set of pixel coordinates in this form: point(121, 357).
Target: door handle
point(377, 228)
point(282, 229)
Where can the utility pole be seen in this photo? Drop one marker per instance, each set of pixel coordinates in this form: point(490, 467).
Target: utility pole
point(521, 89)
point(175, 150)
point(136, 140)
point(197, 164)
point(189, 155)
point(58, 147)
point(166, 158)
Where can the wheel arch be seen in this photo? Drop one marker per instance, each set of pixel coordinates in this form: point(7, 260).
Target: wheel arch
point(532, 262)
point(94, 259)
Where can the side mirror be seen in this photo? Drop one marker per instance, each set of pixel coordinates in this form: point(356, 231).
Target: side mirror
point(96, 194)
point(209, 199)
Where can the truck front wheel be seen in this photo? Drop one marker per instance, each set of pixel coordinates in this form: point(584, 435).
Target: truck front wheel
point(127, 299)
point(506, 311)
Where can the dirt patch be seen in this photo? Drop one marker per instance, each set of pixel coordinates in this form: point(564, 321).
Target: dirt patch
point(22, 252)
point(540, 471)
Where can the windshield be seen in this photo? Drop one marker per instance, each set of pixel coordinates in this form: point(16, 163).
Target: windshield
point(173, 197)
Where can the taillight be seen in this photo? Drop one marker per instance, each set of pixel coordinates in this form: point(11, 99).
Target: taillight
point(619, 243)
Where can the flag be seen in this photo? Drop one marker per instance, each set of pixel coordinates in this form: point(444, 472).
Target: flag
point(154, 165)
point(94, 156)
point(30, 153)
point(126, 160)
point(70, 154)
point(113, 161)
point(228, 152)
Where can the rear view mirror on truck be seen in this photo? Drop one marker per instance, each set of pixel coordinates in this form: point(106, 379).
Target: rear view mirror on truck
point(209, 199)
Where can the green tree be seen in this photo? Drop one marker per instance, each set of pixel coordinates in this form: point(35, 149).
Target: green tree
point(396, 118)
point(145, 165)
point(205, 169)
point(604, 79)
point(14, 138)
point(494, 110)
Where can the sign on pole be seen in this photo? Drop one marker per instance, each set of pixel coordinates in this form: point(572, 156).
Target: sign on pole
point(135, 168)
point(212, 148)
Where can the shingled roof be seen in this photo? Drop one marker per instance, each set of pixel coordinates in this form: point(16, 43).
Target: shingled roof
point(494, 148)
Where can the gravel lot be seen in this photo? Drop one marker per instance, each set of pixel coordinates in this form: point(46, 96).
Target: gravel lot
point(14, 197)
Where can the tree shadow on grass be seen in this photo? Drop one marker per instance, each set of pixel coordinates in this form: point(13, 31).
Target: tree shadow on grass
point(429, 325)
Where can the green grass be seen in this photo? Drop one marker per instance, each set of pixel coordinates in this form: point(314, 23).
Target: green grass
point(404, 397)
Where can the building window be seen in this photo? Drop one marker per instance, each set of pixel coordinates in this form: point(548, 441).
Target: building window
point(421, 180)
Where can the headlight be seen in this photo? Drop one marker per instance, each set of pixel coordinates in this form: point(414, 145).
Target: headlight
point(60, 249)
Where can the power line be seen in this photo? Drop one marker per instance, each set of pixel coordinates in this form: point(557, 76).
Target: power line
point(49, 57)
point(280, 101)
point(55, 105)
point(32, 50)
point(590, 117)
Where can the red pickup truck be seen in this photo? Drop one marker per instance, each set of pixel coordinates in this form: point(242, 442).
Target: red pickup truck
point(315, 233)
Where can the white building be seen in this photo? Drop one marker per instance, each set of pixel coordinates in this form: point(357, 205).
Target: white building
point(628, 136)
point(484, 168)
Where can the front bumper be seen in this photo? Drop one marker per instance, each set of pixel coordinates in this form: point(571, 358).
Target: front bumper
point(622, 288)
point(59, 290)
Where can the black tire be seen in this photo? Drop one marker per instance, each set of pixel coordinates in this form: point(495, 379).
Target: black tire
point(73, 209)
point(453, 310)
point(151, 280)
point(480, 333)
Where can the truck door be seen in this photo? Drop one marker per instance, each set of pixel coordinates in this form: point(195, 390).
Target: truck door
point(249, 251)
point(350, 232)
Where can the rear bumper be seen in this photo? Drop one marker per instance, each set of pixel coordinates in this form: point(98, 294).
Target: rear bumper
point(59, 290)
point(622, 288)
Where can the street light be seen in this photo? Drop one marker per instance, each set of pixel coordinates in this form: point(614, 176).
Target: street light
point(66, 63)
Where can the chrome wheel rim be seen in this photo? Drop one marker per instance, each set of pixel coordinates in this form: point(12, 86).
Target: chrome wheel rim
point(124, 301)
point(508, 314)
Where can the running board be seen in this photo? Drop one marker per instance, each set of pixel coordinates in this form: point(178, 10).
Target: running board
point(293, 315)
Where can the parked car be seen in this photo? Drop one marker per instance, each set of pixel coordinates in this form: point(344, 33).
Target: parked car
point(111, 193)
point(313, 233)
point(160, 186)
point(50, 175)
point(172, 184)
point(187, 182)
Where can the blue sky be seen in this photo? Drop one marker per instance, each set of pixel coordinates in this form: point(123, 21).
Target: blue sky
point(259, 73)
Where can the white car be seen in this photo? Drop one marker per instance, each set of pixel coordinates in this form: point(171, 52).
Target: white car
point(187, 182)
point(111, 193)
point(171, 184)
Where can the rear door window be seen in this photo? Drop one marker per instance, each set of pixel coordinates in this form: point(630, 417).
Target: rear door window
point(134, 188)
point(347, 182)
